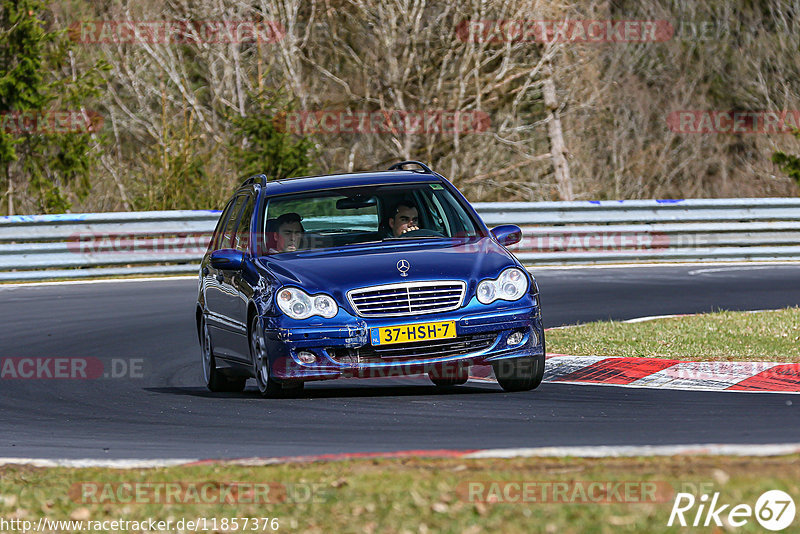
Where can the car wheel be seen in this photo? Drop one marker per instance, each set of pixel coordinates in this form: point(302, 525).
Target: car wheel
point(267, 386)
point(461, 377)
point(215, 380)
point(519, 374)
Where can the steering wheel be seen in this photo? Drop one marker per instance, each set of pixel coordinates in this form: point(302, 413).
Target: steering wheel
point(422, 232)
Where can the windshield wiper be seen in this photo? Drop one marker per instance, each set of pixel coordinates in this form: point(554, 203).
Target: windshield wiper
point(414, 237)
point(329, 231)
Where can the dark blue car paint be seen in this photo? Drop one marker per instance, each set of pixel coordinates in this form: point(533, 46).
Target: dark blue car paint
point(228, 297)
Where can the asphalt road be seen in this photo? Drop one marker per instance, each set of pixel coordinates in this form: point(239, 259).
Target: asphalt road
point(163, 412)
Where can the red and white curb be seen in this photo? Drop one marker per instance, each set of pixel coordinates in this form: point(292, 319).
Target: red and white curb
point(623, 451)
point(759, 377)
point(765, 377)
point(675, 374)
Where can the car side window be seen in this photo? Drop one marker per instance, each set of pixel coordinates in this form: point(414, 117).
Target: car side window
point(223, 220)
point(226, 239)
point(242, 239)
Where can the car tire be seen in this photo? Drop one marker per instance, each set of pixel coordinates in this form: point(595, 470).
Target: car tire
point(449, 381)
point(519, 374)
point(268, 387)
point(214, 379)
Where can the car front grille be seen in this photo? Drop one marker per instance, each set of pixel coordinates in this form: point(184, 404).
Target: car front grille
point(409, 298)
point(413, 351)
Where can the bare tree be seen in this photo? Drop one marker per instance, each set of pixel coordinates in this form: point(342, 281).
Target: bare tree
point(564, 119)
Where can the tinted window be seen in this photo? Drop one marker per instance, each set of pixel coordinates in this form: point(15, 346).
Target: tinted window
point(348, 216)
point(242, 240)
point(223, 220)
point(226, 239)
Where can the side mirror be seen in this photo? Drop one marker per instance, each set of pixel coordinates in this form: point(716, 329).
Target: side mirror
point(507, 234)
point(227, 259)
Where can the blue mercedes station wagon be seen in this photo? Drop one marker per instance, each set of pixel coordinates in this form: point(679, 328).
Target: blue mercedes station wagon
point(373, 274)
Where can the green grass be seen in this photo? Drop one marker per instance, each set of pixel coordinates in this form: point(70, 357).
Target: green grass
point(413, 495)
point(724, 336)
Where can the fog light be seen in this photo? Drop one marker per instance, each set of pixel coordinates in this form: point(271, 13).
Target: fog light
point(306, 357)
point(514, 339)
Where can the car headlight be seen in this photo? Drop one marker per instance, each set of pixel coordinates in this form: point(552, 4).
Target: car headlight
point(510, 285)
point(298, 304)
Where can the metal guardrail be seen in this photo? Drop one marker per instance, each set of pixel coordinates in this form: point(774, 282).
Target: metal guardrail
point(35, 247)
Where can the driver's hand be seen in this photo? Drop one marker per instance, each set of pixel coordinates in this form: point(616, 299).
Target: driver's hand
point(409, 229)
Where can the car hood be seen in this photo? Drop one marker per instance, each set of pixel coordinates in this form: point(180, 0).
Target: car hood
point(337, 271)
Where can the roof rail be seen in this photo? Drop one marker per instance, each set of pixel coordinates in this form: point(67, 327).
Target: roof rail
point(399, 166)
point(260, 179)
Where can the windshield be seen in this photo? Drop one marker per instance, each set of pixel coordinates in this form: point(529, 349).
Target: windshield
point(348, 216)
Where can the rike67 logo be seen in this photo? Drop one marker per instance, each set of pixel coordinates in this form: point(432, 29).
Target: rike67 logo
point(774, 510)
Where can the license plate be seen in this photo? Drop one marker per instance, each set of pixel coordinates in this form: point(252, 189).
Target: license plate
point(410, 333)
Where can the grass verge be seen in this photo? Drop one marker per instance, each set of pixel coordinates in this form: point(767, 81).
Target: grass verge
point(408, 495)
point(723, 336)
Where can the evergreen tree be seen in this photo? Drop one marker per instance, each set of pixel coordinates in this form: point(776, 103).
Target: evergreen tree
point(263, 147)
point(48, 137)
point(789, 163)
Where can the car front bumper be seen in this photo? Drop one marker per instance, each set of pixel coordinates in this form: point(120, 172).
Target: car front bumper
point(341, 347)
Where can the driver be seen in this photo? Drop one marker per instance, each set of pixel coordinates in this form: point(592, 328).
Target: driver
point(405, 218)
point(286, 234)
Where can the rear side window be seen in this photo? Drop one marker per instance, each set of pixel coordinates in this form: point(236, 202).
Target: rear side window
point(242, 239)
point(223, 220)
point(226, 237)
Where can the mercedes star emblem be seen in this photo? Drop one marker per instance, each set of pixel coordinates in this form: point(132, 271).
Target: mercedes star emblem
point(403, 266)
